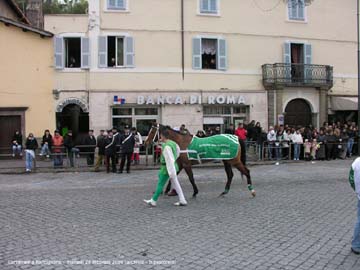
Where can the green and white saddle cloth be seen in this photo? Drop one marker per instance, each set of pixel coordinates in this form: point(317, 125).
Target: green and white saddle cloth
point(224, 146)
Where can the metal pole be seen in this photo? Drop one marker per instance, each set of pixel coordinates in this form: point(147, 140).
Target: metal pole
point(358, 54)
point(182, 41)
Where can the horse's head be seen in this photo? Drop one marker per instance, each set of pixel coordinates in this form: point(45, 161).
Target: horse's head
point(153, 135)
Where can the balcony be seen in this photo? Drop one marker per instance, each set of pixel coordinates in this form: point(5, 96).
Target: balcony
point(280, 75)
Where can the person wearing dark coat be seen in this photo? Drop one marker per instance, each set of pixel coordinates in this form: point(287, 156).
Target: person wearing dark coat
point(110, 152)
point(90, 142)
point(100, 143)
point(321, 139)
point(127, 142)
point(46, 144)
point(31, 145)
point(70, 147)
point(230, 130)
point(17, 143)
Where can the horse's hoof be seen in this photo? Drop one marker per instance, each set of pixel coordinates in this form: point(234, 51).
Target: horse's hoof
point(223, 194)
point(194, 195)
point(253, 193)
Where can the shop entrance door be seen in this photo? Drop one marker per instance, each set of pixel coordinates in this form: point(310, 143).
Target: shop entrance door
point(8, 126)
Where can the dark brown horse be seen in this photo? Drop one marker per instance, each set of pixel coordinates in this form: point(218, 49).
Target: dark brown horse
point(183, 140)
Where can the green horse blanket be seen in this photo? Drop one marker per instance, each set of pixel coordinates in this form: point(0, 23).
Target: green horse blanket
point(224, 146)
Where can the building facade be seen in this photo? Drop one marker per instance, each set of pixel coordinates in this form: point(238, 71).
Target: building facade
point(27, 76)
point(202, 63)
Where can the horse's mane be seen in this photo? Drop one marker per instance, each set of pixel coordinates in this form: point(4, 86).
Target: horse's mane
point(167, 127)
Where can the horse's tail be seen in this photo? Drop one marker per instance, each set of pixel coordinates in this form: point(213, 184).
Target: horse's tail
point(242, 149)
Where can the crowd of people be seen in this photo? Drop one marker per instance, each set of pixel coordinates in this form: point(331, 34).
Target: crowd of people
point(331, 141)
point(109, 144)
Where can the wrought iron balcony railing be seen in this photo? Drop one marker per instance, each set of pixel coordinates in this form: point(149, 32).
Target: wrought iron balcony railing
point(279, 75)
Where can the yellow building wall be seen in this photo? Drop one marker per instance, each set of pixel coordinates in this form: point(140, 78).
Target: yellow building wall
point(27, 77)
point(255, 35)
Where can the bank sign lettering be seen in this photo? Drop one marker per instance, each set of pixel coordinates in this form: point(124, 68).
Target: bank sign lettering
point(160, 100)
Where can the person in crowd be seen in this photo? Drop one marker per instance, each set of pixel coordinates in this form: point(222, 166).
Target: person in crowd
point(110, 152)
point(314, 148)
point(354, 179)
point(17, 143)
point(70, 147)
point(200, 134)
point(90, 142)
point(261, 139)
point(230, 129)
point(250, 131)
point(297, 140)
point(168, 169)
point(183, 129)
point(57, 147)
point(330, 144)
point(100, 144)
point(135, 157)
point(351, 134)
point(281, 140)
point(31, 145)
point(127, 141)
point(321, 139)
point(241, 132)
point(217, 131)
point(343, 142)
point(271, 139)
point(338, 143)
point(46, 144)
point(307, 149)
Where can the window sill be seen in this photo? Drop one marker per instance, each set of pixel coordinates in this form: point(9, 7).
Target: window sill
point(116, 11)
point(71, 70)
point(209, 14)
point(297, 21)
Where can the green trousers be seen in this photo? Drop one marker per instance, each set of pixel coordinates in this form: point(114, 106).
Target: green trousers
point(163, 178)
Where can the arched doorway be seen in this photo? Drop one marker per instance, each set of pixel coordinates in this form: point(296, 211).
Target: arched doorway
point(298, 113)
point(72, 117)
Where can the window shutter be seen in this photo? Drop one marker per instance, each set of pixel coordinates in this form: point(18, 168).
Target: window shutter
point(197, 61)
point(59, 52)
point(292, 7)
point(204, 5)
point(308, 61)
point(129, 52)
point(221, 52)
point(213, 6)
point(287, 52)
point(111, 4)
point(287, 60)
point(301, 10)
point(85, 53)
point(120, 4)
point(308, 54)
point(103, 51)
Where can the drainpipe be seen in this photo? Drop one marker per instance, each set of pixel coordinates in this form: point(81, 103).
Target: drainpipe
point(182, 40)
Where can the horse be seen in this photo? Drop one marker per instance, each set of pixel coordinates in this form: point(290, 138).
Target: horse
point(183, 140)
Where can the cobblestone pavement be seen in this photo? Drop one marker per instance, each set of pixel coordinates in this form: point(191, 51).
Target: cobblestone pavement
point(301, 218)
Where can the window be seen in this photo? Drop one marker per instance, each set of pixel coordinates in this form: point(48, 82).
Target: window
point(72, 52)
point(209, 6)
point(116, 51)
point(116, 4)
point(296, 10)
point(141, 118)
point(209, 53)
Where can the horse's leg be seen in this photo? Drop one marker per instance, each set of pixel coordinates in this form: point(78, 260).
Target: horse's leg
point(230, 175)
point(189, 172)
point(242, 168)
point(168, 187)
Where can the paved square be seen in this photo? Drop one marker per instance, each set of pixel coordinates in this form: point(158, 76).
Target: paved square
point(302, 218)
